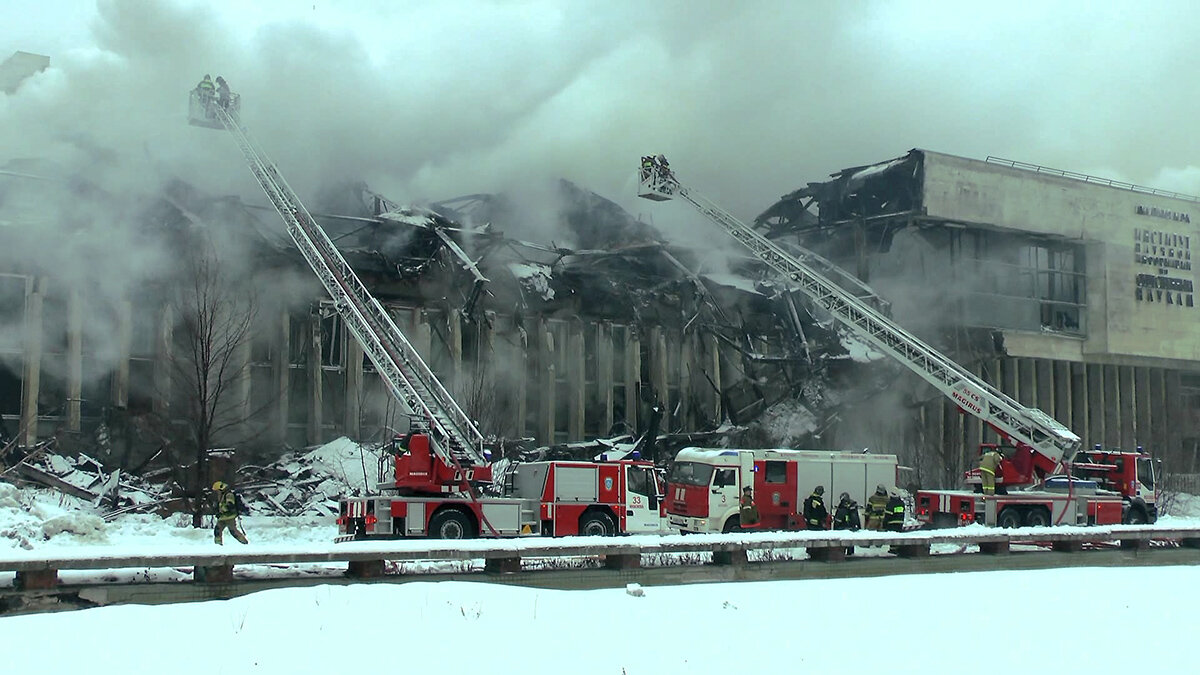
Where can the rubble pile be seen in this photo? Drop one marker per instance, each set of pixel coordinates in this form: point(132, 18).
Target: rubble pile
point(310, 482)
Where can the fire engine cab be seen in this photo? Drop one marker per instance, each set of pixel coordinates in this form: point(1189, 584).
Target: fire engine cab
point(704, 485)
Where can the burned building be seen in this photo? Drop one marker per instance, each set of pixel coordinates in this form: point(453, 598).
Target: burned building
point(534, 339)
point(1070, 293)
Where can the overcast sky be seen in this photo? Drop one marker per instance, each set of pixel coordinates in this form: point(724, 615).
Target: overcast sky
point(749, 100)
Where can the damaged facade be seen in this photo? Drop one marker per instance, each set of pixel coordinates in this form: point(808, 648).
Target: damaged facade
point(1070, 293)
point(535, 340)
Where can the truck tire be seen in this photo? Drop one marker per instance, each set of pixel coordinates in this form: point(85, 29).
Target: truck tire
point(1010, 517)
point(732, 525)
point(1136, 516)
point(450, 524)
point(596, 524)
point(1037, 516)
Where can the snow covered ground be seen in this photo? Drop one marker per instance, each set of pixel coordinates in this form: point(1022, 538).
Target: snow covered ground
point(938, 623)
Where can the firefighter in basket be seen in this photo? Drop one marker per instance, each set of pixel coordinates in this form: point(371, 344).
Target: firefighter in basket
point(229, 507)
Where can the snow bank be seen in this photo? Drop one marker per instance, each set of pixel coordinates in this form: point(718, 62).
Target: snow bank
point(785, 626)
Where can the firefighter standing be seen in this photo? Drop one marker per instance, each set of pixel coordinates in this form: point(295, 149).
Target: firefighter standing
point(877, 508)
point(989, 463)
point(845, 517)
point(748, 513)
point(815, 513)
point(893, 518)
point(227, 513)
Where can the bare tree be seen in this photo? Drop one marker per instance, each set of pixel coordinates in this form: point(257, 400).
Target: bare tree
point(215, 311)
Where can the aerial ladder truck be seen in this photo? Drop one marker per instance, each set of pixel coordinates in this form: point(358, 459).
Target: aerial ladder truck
point(1106, 486)
point(440, 466)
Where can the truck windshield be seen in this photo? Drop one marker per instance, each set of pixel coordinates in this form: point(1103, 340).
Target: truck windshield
point(690, 473)
point(1145, 469)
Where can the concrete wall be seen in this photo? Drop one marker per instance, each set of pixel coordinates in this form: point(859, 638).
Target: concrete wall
point(1138, 248)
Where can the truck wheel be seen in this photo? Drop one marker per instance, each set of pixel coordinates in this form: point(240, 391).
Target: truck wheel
point(450, 524)
point(732, 525)
point(1135, 516)
point(1037, 517)
point(596, 524)
point(1010, 517)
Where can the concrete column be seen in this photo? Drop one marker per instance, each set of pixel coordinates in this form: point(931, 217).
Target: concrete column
point(633, 377)
point(713, 350)
point(1044, 385)
point(120, 380)
point(523, 386)
point(454, 332)
point(687, 418)
point(1141, 397)
point(1173, 452)
point(164, 349)
point(422, 337)
point(604, 374)
point(1062, 393)
point(1026, 383)
point(354, 387)
point(972, 428)
point(576, 381)
point(1008, 376)
point(282, 367)
point(316, 392)
point(1079, 401)
point(32, 377)
point(1158, 412)
point(74, 360)
point(1127, 405)
point(242, 381)
point(1095, 404)
point(658, 372)
point(550, 381)
point(1112, 408)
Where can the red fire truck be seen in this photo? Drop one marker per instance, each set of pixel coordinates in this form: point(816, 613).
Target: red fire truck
point(704, 485)
point(1100, 487)
point(555, 498)
point(1069, 486)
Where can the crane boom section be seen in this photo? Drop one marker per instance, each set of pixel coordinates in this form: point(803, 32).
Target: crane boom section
point(456, 438)
point(1046, 437)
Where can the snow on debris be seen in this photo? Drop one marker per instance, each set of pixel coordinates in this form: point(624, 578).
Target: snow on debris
point(310, 483)
point(858, 350)
point(534, 278)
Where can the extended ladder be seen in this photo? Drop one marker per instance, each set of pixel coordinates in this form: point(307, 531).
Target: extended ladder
point(1046, 437)
point(453, 436)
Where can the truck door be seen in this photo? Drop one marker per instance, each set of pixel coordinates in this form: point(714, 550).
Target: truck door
point(641, 500)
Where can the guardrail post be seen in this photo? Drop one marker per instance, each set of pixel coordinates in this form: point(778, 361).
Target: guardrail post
point(213, 574)
point(1189, 542)
point(911, 550)
point(736, 557)
point(827, 553)
point(364, 569)
point(994, 547)
point(622, 561)
point(36, 580)
point(1067, 546)
point(502, 565)
point(1135, 544)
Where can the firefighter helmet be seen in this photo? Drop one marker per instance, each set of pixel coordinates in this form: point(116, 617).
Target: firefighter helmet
point(219, 486)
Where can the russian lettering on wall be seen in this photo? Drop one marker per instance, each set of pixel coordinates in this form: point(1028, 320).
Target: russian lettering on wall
point(1170, 254)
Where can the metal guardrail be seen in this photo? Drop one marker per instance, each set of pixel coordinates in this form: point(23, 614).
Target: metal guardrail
point(1090, 179)
point(508, 550)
